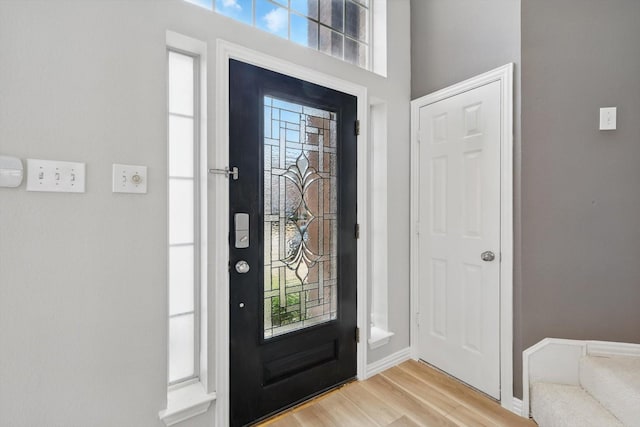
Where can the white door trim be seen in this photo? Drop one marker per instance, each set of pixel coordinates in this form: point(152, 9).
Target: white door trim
point(504, 75)
point(220, 203)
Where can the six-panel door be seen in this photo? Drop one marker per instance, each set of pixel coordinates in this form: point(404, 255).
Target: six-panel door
point(459, 214)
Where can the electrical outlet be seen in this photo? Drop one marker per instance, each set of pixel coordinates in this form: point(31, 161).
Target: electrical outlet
point(55, 176)
point(129, 179)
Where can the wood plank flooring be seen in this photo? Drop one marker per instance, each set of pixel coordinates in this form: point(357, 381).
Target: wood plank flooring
point(409, 395)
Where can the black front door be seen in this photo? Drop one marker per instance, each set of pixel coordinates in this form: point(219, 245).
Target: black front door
point(292, 220)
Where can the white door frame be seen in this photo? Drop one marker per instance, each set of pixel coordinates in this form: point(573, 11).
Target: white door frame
point(504, 75)
point(220, 212)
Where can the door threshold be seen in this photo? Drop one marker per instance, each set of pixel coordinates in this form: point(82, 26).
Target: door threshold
point(275, 416)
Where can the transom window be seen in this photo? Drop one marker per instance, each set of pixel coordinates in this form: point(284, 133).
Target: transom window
point(340, 28)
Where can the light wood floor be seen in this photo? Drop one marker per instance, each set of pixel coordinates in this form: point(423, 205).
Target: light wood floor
point(409, 395)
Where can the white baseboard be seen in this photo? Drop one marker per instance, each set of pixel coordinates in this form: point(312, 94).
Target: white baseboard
point(517, 406)
point(388, 362)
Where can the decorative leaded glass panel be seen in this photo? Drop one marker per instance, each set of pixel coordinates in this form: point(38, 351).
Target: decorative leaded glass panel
point(300, 216)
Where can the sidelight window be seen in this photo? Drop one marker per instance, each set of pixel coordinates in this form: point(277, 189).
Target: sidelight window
point(188, 391)
point(184, 244)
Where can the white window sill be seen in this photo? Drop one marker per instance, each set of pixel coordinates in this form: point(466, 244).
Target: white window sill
point(186, 402)
point(379, 337)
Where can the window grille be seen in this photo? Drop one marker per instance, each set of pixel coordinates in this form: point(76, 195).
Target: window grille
point(340, 28)
point(184, 234)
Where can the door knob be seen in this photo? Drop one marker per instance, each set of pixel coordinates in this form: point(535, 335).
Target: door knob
point(488, 256)
point(242, 266)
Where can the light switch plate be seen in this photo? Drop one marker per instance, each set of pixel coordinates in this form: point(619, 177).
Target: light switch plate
point(608, 118)
point(129, 179)
point(55, 176)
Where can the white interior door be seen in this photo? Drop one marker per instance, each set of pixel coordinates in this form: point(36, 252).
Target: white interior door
point(459, 217)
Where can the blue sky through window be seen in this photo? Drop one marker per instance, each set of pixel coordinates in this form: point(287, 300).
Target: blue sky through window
point(204, 3)
point(306, 7)
point(303, 31)
point(272, 18)
point(240, 10)
point(306, 22)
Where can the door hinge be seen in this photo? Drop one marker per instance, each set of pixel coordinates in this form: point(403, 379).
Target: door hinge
point(418, 319)
point(357, 334)
point(418, 228)
point(357, 231)
point(357, 127)
point(418, 139)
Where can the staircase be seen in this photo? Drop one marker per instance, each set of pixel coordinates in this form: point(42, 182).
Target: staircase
point(570, 383)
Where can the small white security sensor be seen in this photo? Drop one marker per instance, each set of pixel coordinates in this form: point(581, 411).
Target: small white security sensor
point(11, 171)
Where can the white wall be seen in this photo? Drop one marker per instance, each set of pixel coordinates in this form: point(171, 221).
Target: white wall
point(83, 276)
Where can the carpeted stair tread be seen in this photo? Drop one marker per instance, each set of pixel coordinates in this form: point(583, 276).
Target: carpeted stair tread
point(615, 383)
point(561, 405)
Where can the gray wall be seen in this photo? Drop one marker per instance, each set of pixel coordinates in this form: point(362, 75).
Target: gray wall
point(83, 294)
point(452, 40)
point(577, 213)
point(580, 186)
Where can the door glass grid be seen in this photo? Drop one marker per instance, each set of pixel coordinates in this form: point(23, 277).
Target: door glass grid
point(300, 216)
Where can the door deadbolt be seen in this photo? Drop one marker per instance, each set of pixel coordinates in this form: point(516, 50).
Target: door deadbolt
point(488, 256)
point(242, 267)
point(242, 230)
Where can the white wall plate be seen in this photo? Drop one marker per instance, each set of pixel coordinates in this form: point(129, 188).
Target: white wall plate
point(55, 176)
point(608, 118)
point(129, 179)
